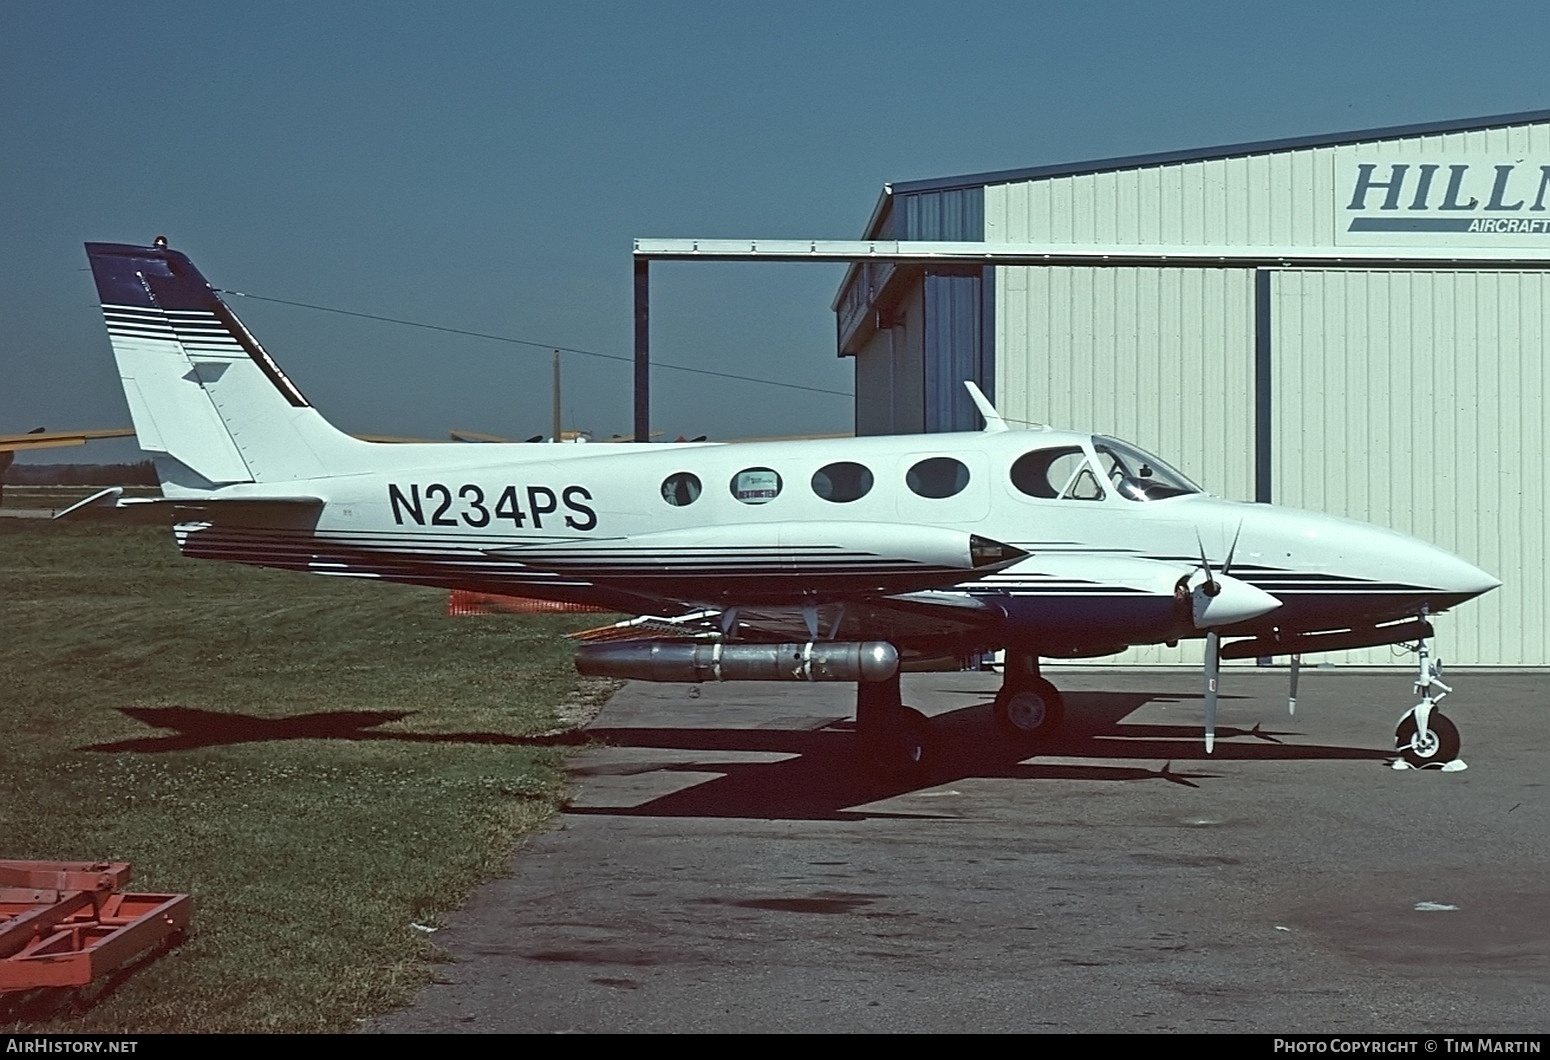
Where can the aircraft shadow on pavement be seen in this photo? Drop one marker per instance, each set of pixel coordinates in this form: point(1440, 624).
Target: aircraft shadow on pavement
point(823, 777)
point(827, 778)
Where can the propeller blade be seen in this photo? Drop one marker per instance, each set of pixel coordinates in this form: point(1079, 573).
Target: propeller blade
point(1213, 673)
point(1291, 696)
point(1227, 565)
point(1210, 586)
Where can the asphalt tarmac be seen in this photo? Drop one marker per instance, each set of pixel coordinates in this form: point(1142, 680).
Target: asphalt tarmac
point(726, 866)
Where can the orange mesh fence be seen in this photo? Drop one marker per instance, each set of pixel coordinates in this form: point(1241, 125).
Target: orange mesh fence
point(465, 602)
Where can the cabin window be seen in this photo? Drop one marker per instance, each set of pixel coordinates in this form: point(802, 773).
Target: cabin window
point(842, 482)
point(681, 489)
point(937, 477)
point(756, 485)
point(1059, 472)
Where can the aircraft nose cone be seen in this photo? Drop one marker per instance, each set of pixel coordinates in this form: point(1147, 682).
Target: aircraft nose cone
point(1455, 575)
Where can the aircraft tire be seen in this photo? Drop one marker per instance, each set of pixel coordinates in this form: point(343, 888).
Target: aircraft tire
point(1031, 710)
point(1442, 748)
point(904, 748)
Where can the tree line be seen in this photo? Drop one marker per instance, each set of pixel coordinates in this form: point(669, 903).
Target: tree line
point(140, 473)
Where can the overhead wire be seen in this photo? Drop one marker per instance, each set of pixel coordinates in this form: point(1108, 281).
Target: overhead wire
point(538, 345)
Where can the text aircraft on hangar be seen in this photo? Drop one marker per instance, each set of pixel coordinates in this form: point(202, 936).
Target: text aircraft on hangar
point(845, 559)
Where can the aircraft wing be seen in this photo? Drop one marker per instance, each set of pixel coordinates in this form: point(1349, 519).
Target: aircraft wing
point(928, 616)
point(1068, 605)
point(56, 439)
point(927, 623)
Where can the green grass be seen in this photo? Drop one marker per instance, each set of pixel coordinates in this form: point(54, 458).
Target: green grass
point(322, 763)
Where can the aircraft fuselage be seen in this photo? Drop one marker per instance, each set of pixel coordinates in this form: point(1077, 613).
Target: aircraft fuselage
point(714, 524)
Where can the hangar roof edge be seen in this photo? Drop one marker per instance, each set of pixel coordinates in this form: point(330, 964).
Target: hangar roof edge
point(1206, 154)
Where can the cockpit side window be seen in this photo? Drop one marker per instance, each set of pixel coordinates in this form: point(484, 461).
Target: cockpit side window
point(1139, 476)
point(1083, 486)
point(1061, 472)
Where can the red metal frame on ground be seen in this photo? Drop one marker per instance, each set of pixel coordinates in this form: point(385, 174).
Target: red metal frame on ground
point(63, 923)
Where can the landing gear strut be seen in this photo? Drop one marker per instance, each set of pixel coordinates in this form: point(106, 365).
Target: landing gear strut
point(1424, 737)
point(896, 741)
point(1027, 707)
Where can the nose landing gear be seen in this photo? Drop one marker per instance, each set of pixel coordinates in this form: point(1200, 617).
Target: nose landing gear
point(1424, 737)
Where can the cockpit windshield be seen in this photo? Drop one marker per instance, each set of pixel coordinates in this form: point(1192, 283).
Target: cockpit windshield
point(1139, 476)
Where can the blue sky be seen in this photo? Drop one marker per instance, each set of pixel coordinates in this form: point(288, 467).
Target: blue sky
point(485, 166)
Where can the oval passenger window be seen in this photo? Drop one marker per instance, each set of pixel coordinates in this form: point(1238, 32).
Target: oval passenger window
point(681, 489)
point(842, 482)
point(937, 477)
point(756, 485)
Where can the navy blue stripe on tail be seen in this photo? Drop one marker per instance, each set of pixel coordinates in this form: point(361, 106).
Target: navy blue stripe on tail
point(160, 278)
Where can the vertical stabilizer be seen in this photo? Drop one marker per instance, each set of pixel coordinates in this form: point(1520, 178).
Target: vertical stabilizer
point(200, 388)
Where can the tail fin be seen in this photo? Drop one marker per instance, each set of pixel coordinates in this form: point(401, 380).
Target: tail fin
point(201, 390)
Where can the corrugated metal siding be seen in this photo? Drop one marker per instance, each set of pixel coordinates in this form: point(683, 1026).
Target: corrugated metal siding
point(1413, 400)
point(1293, 199)
point(909, 380)
point(955, 214)
point(890, 380)
point(1240, 150)
point(955, 338)
point(1416, 401)
point(1161, 357)
point(953, 351)
point(1408, 400)
point(874, 385)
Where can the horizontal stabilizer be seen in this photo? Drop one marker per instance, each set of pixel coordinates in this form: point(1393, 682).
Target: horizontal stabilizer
point(112, 504)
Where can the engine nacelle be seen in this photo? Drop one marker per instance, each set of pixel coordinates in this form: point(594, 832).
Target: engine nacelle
point(669, 660)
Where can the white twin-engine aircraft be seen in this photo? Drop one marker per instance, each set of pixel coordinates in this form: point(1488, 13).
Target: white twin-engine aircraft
point(838, 560)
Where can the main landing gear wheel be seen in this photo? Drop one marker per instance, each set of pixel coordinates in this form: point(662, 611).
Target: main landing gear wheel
point(902, 750)
point(1440, 747)
point(1030, 710)
point(896, 741)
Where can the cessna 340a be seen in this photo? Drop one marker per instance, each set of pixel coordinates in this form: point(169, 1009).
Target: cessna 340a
point(843, 560)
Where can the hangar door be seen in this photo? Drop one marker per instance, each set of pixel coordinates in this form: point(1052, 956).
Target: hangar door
point(1411, 400)
point(1415, 400)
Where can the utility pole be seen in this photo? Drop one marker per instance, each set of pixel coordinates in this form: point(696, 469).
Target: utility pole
point(557, 419)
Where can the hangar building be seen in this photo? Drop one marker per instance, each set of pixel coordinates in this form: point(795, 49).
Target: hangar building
point(1375, 348)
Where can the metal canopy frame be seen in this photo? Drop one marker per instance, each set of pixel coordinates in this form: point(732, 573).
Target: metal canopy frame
point(908, 252)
